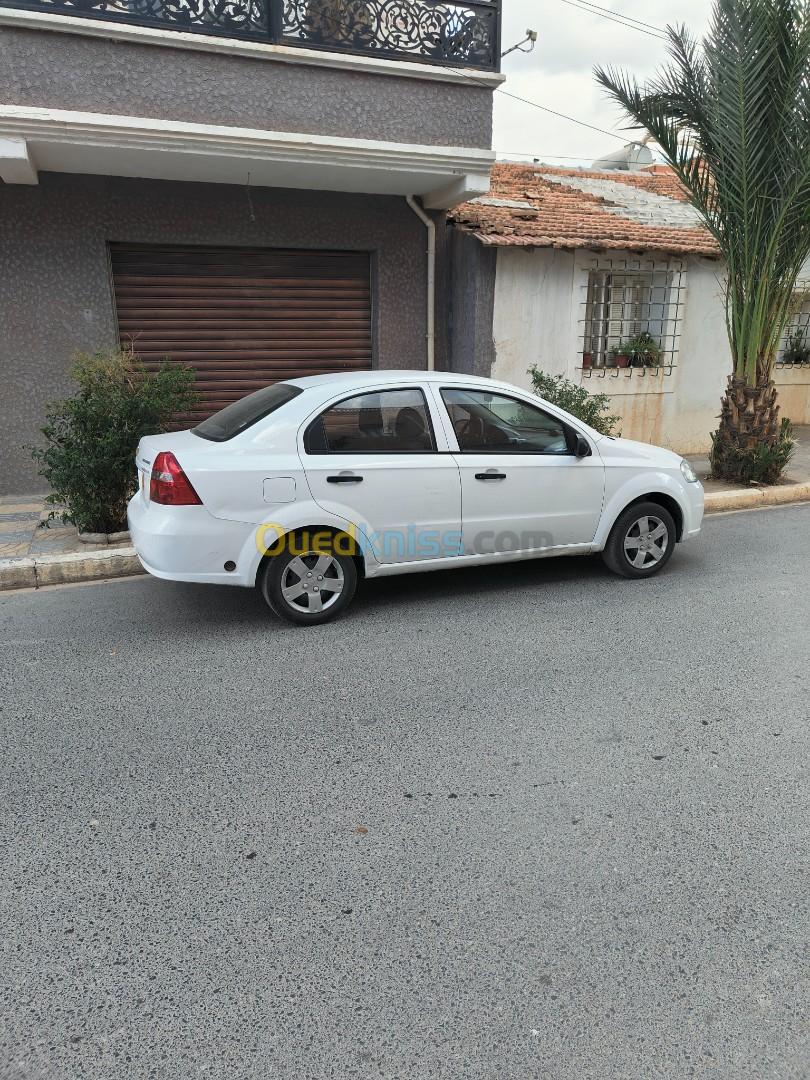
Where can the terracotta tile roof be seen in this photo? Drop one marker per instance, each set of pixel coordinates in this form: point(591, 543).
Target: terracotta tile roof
point(543, 206)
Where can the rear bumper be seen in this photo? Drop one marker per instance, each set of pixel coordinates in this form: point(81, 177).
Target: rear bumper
point(186, 543)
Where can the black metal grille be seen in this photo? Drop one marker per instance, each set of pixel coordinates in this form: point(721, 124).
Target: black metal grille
point(463, 34)
point(623, 300)
point(794, 345)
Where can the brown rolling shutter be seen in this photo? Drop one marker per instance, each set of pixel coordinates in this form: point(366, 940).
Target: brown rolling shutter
point(244, 317)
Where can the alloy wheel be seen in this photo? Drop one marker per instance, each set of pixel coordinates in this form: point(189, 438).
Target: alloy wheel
point(646, 542)
point(312, 582)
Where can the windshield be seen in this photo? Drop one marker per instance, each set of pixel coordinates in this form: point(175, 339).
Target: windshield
point(242, 414)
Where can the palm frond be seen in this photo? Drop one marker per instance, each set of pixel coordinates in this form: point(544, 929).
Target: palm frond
point(732, 117)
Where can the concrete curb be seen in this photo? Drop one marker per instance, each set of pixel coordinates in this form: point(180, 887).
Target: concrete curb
point(38, 570)
point(747, 498)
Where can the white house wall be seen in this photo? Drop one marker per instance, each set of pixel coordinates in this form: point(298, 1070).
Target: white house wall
point(793, 384)
point(536, 320)
point(690, 412)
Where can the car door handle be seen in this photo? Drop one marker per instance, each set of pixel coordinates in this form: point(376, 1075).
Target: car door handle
point(344, 478)
point(490, 476)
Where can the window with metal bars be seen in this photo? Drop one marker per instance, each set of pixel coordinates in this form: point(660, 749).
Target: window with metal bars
point(632, 314)
point(794, 347)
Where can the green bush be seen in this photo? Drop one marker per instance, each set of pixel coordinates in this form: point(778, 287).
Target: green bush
point(575, 399)
point(91, 438)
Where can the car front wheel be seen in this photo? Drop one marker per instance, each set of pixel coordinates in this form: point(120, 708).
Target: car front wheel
point(310, 587)
point(641, 542)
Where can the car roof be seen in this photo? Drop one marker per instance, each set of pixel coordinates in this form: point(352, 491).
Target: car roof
point(376, 376)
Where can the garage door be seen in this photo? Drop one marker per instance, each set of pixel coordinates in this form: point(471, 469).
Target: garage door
point(244, 318)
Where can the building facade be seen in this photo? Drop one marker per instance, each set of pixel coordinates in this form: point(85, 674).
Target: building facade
point(609, 279)
point(252, 189)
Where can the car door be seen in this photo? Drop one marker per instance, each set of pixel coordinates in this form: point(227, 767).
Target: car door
point(373, 459)
point(523, 487)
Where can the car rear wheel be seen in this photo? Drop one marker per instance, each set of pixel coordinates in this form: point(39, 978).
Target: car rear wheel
point(309, 587)
point(641, 542)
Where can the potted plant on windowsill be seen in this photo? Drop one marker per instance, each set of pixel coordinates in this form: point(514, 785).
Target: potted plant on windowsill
point(619, 357)
point(644, 351)
point(796, 349)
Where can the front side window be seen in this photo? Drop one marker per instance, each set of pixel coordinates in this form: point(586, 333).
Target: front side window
point(386, 421)
point(496, 423)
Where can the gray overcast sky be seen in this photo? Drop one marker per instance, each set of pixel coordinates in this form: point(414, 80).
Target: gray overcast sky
point(559, 73)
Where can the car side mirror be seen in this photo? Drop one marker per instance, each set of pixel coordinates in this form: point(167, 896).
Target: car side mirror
point(583, 448)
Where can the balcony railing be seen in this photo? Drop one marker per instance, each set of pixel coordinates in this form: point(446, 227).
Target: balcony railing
point(453, 34)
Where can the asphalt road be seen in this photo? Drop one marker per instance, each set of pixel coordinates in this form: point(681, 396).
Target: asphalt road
point(532, 822)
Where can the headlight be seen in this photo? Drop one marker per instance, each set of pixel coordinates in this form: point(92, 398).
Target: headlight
point(689, 474)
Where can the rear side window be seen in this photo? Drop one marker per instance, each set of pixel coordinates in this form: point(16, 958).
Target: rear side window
point(242, 414)
point(389, 421)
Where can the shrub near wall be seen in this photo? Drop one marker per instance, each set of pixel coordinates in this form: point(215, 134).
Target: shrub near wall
point(91, 438)
point(575, 399)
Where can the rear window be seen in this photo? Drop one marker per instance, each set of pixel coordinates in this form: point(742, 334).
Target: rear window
point(242, 414)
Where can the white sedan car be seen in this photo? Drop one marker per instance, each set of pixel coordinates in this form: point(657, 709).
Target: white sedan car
point(306, 485)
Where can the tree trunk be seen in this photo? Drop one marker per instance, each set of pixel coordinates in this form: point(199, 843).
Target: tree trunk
point(748, 443)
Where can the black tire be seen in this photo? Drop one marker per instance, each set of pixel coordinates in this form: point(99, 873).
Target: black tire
point(280, 572)
point(629, 528)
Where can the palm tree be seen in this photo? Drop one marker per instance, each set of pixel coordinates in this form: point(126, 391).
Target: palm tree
point(732, 117)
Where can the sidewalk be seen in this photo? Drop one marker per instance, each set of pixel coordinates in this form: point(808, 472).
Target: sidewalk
point(795, 485)
point(31, 556)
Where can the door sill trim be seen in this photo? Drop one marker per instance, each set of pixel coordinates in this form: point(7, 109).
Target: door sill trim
point(454, 562)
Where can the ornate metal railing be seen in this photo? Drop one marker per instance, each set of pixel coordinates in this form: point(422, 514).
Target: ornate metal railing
point(451, 33)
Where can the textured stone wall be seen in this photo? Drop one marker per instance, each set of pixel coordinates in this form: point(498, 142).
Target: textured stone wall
point(55, 285)
point(68, 71)
point(471, 289)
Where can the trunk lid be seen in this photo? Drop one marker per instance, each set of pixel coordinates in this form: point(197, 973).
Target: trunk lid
point(151, 445)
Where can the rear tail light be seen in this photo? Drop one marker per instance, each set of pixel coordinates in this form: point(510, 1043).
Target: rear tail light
point(169, 485)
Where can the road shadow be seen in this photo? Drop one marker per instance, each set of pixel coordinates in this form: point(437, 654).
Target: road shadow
point(216, 610)
point(478, 581)
point(225, 608)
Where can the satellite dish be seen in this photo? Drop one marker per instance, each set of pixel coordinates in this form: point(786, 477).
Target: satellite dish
point(631, 158)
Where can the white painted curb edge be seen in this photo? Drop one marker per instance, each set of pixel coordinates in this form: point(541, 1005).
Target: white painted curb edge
point(38, 570)
point(747, 498)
